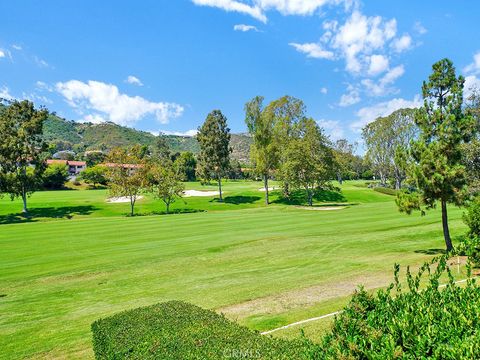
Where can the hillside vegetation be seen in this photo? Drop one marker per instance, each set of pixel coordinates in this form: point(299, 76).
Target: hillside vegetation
point(79, 137)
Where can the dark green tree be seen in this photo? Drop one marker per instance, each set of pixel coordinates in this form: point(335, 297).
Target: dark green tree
point(186, 165)
point(435, 167)
point(214, 140)
point(22, 148)
point(55, 176)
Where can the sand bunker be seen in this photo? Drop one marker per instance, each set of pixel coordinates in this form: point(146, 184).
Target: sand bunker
point(121, 199)
point(189, 193)
point(270, 188)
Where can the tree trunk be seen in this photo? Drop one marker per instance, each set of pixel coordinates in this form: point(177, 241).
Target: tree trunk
point(398, 183)
point(265, 182)
point(310, 197)
point(168, 207)
point(446, 231)
point(220, 187)
point(132, 204)
point(339, 178)
point(24, 199)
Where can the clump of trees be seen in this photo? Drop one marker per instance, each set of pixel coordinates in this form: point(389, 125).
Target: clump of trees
point(22, 149)
point(386, 140)
point(289, 146)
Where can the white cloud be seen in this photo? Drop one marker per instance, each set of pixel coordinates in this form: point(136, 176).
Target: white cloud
point(133, 80)
point(104, 102)
point(369, 113)
point(17, 47)
point(382, 87)
point(471, 83)
point(332, 128)
point(361, 35)
point(231, 5)
point(258, 8)
point(352, 96)
point(323, 90)
point(190, 133)
point(2, 53)
point(474, 67)
point(245, 28)
point(378, 64)
point(41, 85)
point(40, 62)
point(403, 43)
point(313, 50)
point(5, 93)
point(419, 28)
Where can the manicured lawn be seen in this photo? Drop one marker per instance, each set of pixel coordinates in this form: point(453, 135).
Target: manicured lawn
point(83, 259)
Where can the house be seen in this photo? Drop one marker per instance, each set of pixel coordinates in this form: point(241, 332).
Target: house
point(74, 167)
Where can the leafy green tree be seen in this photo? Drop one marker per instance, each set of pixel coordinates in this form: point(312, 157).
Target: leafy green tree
point(264, 150)
point(22, 148)
point(214, 140)
point(55, 176)
point(94, 157)
point(344, 158)
point(127, 173)
point(186, 164)
point(165, 182)
point(386, 139)
point(309, 159)
point(94, 175)
point(285, 113)
point(160, 148)
point(435, 167)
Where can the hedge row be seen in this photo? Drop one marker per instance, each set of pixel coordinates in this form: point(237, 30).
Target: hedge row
point(177, 330)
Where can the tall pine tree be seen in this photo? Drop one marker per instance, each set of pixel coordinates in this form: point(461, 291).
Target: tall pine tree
point(436, 168)
point(214, 140)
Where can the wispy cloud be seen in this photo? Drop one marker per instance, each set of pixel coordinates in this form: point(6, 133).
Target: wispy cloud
point(133, 80)
point(313, 50)
point(245, 28)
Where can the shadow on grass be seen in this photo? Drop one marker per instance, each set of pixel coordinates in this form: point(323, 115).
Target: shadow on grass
point(430, 251)
point(64, 212)
point(171, 212)
point(299, 197)
point(237, 200)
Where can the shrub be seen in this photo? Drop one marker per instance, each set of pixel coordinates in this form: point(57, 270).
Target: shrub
point(177, 330)
point(94, 175)
point(55, 176)
point(386, 191)
point(430, 323)
point(472, 218)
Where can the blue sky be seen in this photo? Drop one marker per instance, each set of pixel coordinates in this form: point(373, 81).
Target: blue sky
point(163, 65)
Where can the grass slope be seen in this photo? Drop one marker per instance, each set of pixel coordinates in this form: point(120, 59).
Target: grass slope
point(59, 275)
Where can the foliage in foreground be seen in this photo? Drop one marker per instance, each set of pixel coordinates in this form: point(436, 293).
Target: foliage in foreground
point(434, 322)
point(426, 320)
point(177, 330)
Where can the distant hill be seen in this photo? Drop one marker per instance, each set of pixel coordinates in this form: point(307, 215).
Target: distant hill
point(80, 137)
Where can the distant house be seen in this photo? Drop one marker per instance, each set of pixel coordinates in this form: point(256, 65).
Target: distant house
point(74, 167)
point(131, 167)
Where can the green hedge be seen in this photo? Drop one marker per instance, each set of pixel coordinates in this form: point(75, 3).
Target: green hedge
point(177, 330)
point(386, 191)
